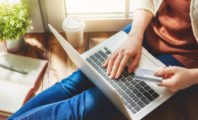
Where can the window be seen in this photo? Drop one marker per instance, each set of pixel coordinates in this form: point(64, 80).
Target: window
point(99, 8)
point(99, 15)
point(95, 8)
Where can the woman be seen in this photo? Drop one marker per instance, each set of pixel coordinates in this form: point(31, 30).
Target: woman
point(171, 36)
point(169, 33)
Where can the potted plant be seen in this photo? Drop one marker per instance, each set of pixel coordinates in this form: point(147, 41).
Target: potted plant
point(14, 24)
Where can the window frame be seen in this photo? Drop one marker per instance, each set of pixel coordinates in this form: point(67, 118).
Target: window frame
point(95, 22)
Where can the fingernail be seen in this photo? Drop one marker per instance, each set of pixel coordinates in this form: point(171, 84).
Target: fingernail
point(108, 72)
point(111, 77)
point(116, 77)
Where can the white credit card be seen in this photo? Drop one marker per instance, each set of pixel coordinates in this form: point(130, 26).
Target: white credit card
point(147, 75)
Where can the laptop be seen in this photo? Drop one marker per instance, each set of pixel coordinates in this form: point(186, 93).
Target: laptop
point(135, 99)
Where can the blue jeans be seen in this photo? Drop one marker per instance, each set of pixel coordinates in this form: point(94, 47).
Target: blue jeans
point(74, 98)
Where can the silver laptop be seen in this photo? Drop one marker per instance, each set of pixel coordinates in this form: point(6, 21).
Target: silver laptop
point(135, 99)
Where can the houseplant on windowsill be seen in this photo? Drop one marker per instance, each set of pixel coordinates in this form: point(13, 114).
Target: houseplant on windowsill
point(14, 23)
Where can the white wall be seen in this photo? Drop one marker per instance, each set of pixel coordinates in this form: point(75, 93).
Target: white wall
point(36, 17)
point(53, 13)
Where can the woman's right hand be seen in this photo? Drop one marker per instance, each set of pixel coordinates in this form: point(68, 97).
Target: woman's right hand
point(131, 48)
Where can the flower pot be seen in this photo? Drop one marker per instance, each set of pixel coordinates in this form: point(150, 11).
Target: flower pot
point(14, 45)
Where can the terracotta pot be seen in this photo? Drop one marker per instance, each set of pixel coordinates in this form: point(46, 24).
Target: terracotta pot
point(14, 45)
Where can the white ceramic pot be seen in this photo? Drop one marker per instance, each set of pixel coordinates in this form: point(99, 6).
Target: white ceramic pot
point(14, 45)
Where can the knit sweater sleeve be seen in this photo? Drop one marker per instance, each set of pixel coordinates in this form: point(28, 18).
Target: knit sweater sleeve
point(150, 5)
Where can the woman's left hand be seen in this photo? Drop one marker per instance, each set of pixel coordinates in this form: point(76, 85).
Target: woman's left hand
point(177, 78)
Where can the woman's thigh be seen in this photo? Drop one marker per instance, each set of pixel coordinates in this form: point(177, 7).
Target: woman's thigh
point(167, 59)
point(91, 104)
point(63, 90)
point(75, 83)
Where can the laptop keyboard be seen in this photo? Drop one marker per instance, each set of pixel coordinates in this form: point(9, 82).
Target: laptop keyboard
point(135, 94)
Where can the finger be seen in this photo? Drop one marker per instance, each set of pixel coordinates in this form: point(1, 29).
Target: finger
point(134, 63)
point(169, 87)
point(165, 71)
point(116, 65)
point(106, 63)
point(167, 83)
point(110, 63)
point(123, 63)
point(174, 90)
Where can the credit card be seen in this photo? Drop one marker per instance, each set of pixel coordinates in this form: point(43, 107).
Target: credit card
point(147, 75)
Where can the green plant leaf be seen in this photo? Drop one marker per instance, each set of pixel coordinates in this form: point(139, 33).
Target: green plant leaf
point(14, 20)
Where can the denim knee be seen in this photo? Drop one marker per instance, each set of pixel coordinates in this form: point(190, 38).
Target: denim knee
point(76, 83)
point(98, 106)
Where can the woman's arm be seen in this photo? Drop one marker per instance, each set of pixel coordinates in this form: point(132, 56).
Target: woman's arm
point(140, 22)
point(177, 78)
point(131, 48)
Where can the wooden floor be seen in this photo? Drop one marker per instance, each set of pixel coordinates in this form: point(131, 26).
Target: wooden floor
point(183, 106)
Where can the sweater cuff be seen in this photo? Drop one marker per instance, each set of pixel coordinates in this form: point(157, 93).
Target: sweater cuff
point(149, 5)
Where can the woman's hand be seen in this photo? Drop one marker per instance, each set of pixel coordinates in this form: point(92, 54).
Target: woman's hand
point(131, 48)
point(177, 78)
